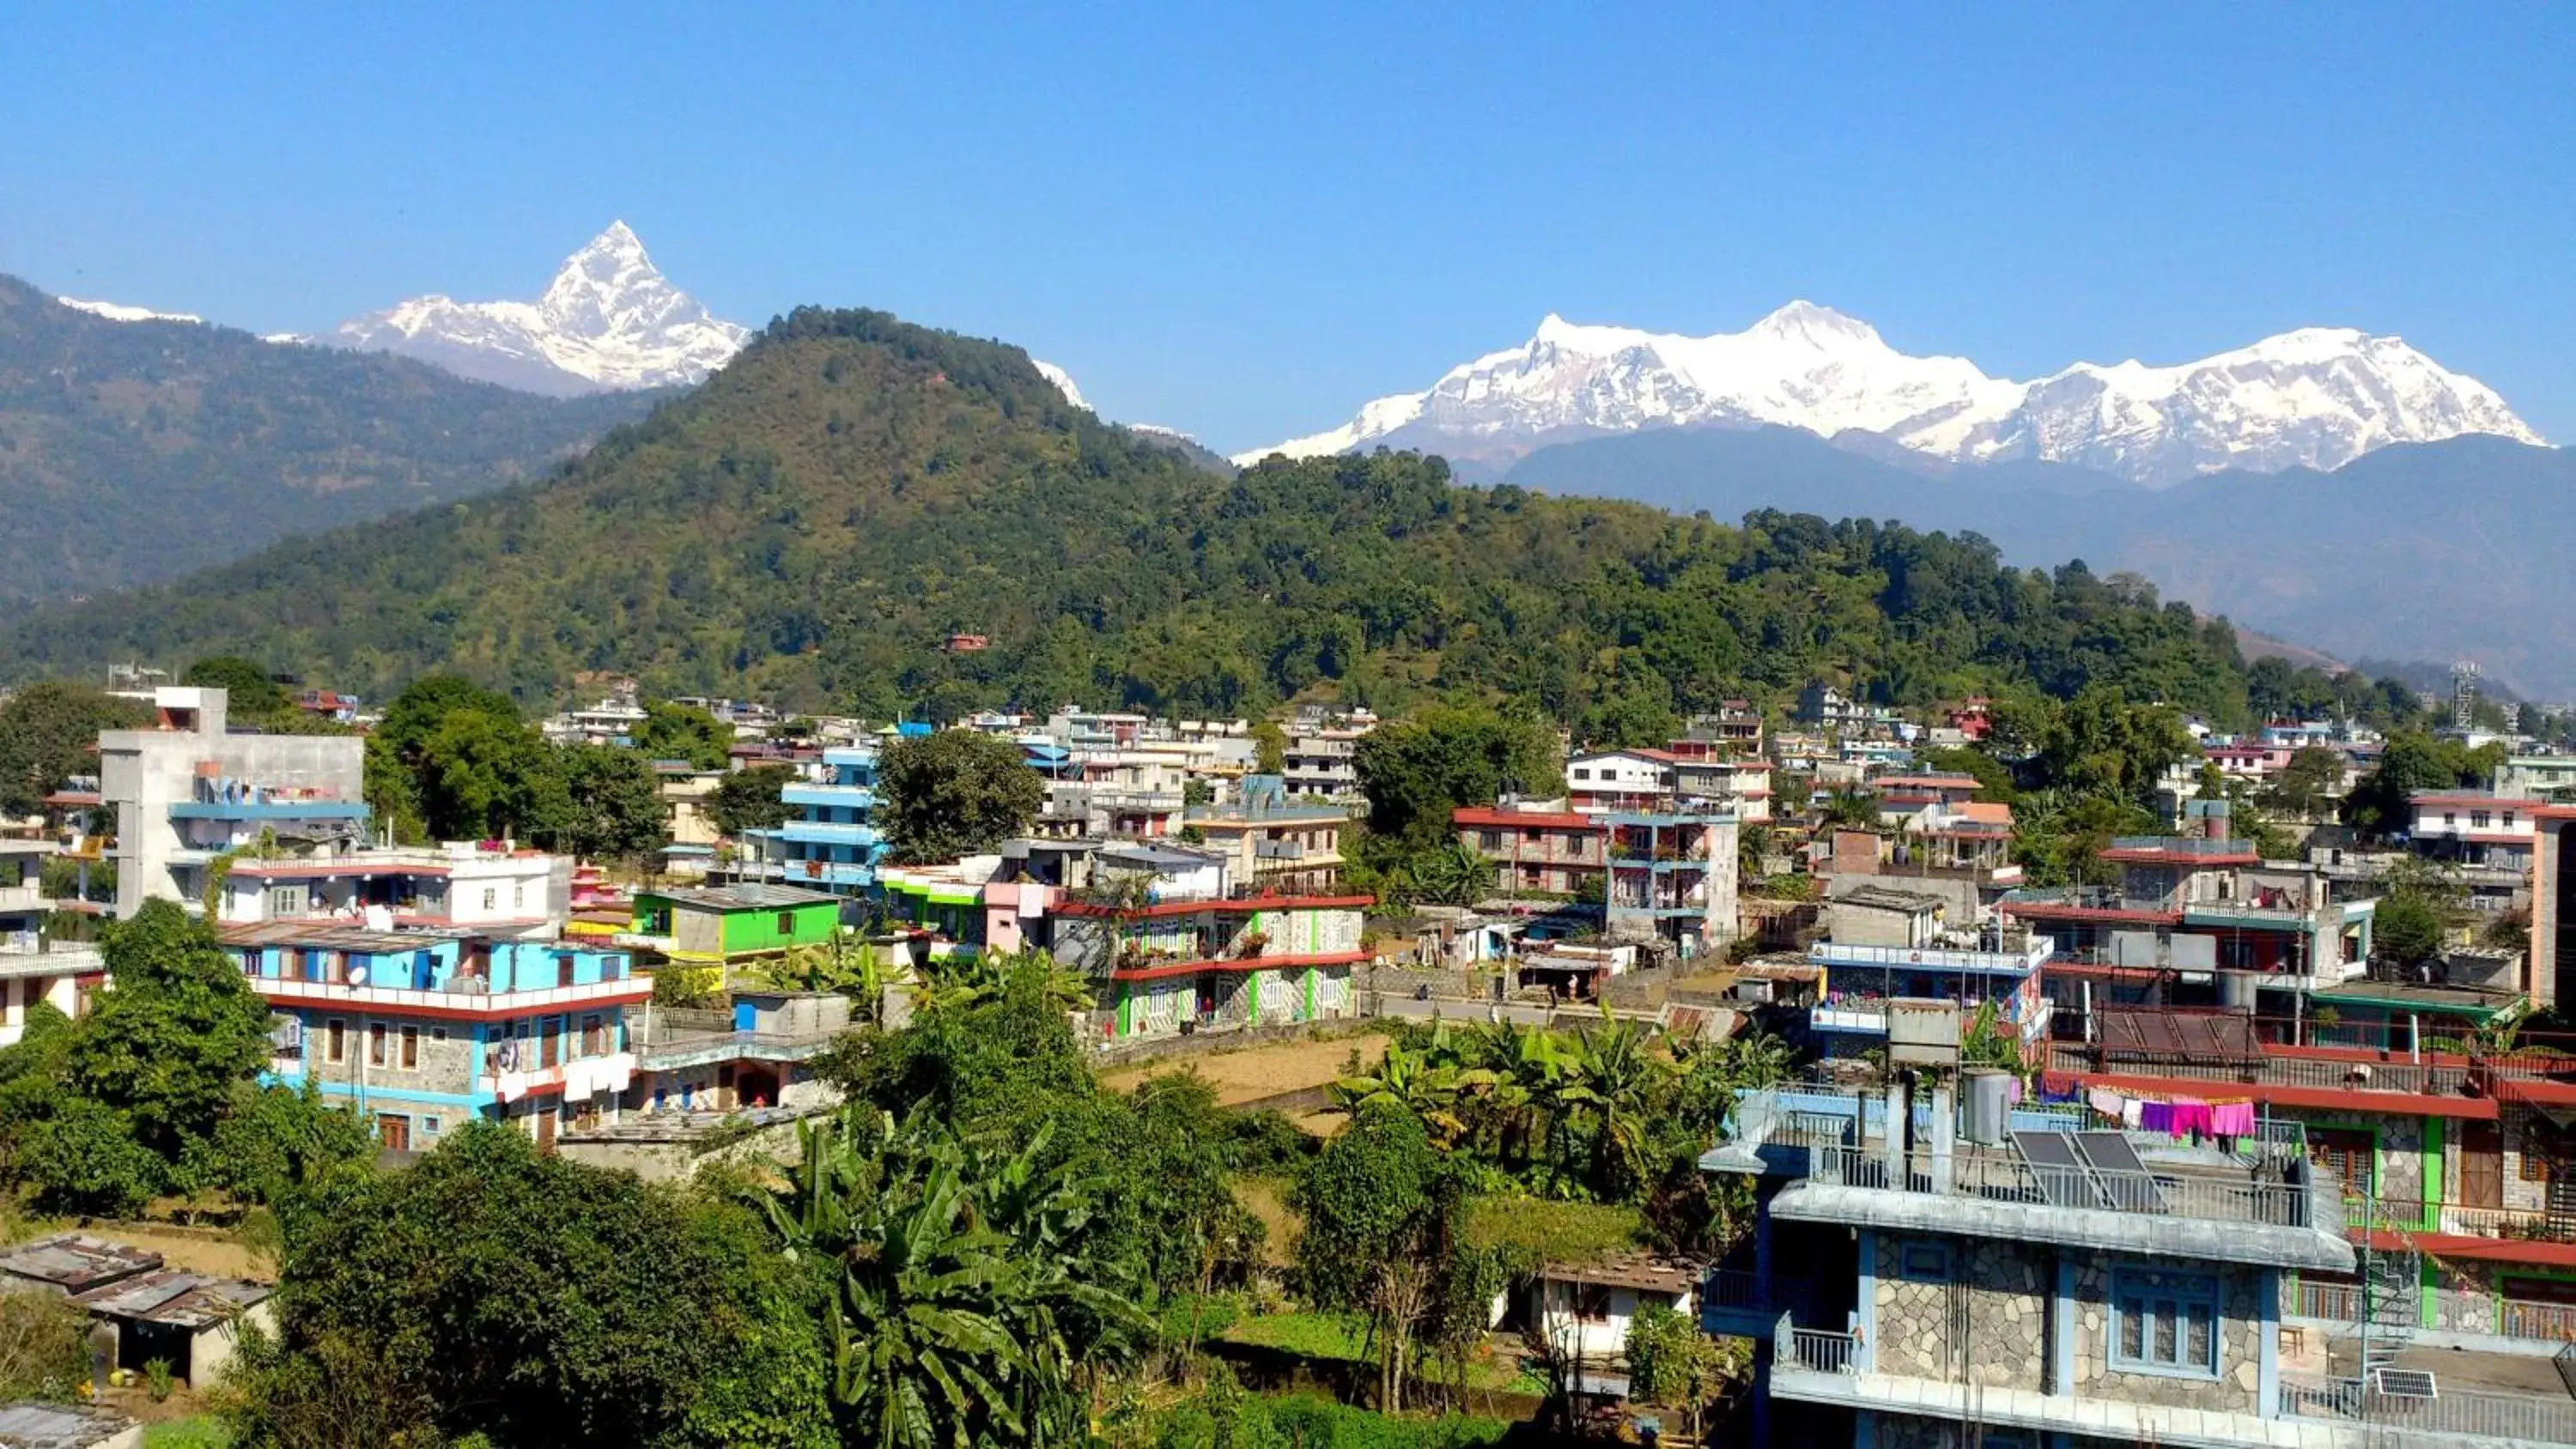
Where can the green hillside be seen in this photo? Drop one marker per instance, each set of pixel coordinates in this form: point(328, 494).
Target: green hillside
point(814, 522)
point(132, 452)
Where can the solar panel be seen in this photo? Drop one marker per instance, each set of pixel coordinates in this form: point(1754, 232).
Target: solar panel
point(2124, 1180)
point(2403, 1383)
point(2054, 1164)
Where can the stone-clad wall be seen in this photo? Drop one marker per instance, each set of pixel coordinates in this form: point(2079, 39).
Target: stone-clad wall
point(2239, 1385)
point(2002, 1289)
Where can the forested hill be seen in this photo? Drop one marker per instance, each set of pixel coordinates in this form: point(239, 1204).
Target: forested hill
point(816, 521)
point(136, 451)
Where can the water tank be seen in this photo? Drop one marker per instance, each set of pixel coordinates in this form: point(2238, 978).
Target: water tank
point(1987, 1110)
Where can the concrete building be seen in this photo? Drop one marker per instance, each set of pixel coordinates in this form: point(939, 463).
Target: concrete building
point(834, 844)
point(189, 1321)
point(1200, 960)
point(1536, 849)
point(1270, 844)
point(1319, 762)
point(490, 888)
point(420, 1033)
point(34, 967)
point(1861, 981)
point(730, 926)
point(1931, 1269)
point(1671, 878)
point(187, 790)
point(1582, 1312)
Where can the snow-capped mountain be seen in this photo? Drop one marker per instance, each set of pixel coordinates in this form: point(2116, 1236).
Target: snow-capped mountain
point(2319, 397)
point(119, 312)
point(608, 320)
point(1063, 381)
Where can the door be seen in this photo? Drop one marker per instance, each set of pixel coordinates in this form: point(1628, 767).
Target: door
point(545, 1129)
point(393, 1132)
point(2344, 1153)
point(2482, 1164)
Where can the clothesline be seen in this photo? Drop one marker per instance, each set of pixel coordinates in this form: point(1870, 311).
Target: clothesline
point(2178, 1116)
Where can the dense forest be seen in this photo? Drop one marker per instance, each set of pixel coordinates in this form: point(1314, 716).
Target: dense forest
point(816, 521)
point(132, 452)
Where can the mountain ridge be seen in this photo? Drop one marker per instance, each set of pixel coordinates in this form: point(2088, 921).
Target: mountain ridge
point(2314, 396)
point(136, 450)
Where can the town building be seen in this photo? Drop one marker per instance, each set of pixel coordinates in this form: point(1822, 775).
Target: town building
point(34, 966)
point(1889, 952)
point(1602, 781)
point(490, 888)
point(187, 790)
point(189, 1322)
point(729, 927)
point(1199, 958)
point(1671, 879)
point(1536, 849)
point(2487, 839)
point(1275, 846)
point(1936, 1265)
point(834, 844)
point(2200, 920)
point(421, 1033)
point(612, 721)
point(1582, 1311)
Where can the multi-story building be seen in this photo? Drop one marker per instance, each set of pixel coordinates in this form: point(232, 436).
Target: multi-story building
point(1197, 960)
point(489, 888)
point(2448, 1153)
point(187, 790)
point(730, 926)
point(34, 967)
point(1321, 763)
point(1603, 781)
point(1537, 850)
point(1276, 847)
point(612, 721)
point(2200, 920)
point(1734, 731)
point(833, 845)
point(1925, 1271)
point(1671, 877)
point(2539, 777)
point(1861, 980)
point(1907, 796)
point(2488, 838)
point(420, 1033)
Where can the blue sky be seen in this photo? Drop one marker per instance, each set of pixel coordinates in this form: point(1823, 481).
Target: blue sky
point(1245, 224)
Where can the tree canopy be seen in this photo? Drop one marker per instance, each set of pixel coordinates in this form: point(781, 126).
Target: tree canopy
point(953, 793)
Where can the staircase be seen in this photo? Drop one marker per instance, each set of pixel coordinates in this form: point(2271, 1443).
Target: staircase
point(2391, 1305)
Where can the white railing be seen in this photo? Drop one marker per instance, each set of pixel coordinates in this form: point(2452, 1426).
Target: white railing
point(2530, 1419)
point(1820, 1352)
point(2001, 1178)
point(283, 989)
point(2025, 958)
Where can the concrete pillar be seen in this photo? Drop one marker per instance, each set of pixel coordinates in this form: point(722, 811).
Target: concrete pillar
point(1945, 1130)
point(1892, 1146)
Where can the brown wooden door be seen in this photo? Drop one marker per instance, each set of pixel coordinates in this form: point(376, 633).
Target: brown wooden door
point(2344, 1154)
point(393, 1131)
point(2481, 1164)
point(545, 1129)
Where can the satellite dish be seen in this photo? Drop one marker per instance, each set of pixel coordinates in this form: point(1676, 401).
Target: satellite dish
point(357, 975)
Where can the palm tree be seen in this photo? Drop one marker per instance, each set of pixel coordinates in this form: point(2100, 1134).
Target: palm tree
point(966, 980)
point(1453, 875)
point(1409, 1080)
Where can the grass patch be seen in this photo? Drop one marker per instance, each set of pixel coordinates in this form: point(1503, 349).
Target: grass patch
point(202, 1432)
point(1555, 1232)
point(1330, 1336)
point(1266, 1198)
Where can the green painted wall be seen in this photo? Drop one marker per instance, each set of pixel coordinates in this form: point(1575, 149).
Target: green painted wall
point(748, 931)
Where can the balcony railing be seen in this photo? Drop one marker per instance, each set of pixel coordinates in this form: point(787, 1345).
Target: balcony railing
point(1819, 1352)
point(2549, 1322)
point(2532, 1419)
point(1757, 1292)
point(1997, 1177)
point(2346, 1073)
point(2462, 1220)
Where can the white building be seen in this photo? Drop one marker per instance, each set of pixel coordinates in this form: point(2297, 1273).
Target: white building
point(489, 888)
point(186, 790)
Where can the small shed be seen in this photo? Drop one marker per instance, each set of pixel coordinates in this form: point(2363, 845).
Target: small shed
point(188, 1320)
point(1583, 1310)
point(70, 1263)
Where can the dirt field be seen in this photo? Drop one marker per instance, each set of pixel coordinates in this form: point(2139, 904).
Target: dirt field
point(207, 1253)
point(1257, 1072)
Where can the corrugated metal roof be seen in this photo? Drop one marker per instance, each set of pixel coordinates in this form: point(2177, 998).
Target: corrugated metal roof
point(2175, 1035)
point(75, 1262)
point(59, 1426)
point(742, 896)
point(180, 1299)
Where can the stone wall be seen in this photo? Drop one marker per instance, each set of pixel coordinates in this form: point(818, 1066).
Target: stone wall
point(444, 1065)
point(1996, 1292)
point(2239, 1385)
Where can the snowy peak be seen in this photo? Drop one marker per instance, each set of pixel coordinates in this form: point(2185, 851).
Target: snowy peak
point(2316, 397)
point(119, 312)
point(607, 320)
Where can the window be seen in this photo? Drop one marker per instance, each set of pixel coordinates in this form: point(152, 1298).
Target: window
point(410, 1047)
point(285, 901)
point(2450, 818)
point(787, 923)
point(2164, 1322)
point(1583, 774)
point(335, 1041)
point(1489, 840)
point(491, 899)
point(519, 896)
point(2345, 1154)
point(1923, 1262)
point(1588, 1302)
point(1533, 835)
point(428, 1126)
point(375, 1043)
point(2478, 819)
point(438, 1033)
point(594, 1036)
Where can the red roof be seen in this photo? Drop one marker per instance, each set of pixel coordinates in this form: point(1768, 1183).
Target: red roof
point(1248, 903)
point(1236, 963)
point(1546, 819)
point(2474, 798)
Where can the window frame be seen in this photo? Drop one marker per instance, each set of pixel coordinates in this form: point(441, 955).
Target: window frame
point(409, 1054)
point(2146, 1295)
point(1937, 1265)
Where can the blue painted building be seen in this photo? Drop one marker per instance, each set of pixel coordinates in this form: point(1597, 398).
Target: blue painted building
point(422, 1033)
point(833, 845)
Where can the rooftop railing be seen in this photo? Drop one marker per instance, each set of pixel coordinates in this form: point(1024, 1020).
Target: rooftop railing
point(2000, 1177)
point(1819, 1352)
point(2530, 1419)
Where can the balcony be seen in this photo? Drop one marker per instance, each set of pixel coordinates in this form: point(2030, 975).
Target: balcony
point(269, 808)
point(26, 954)
point(1865, 1017)
point(2016, 960)
point(2518, 1418)
point(284, 991)
point(1808, 1350)
point(836, 797)
point(2220, 1195)
point(806, 832)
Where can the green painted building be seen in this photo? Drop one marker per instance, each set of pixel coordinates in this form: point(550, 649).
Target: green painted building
point(724, 925)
